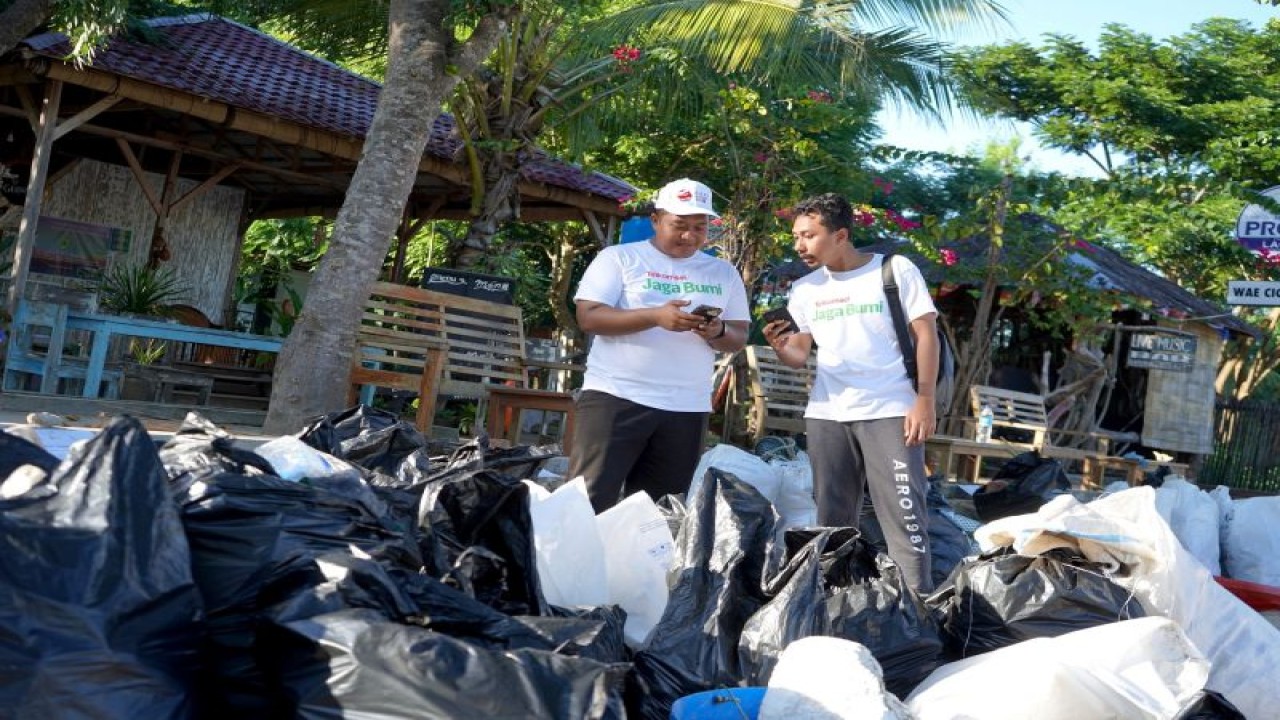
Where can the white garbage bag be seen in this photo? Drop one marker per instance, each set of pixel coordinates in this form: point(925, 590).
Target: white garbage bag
point(1251, 544)
point(638, 551)
point(567, 545)
point(828, 678)
point(1193, 516)
point(1125, 532)
point(1134, 669)
point(294, 460)
point(795, 503)
point(746, 467)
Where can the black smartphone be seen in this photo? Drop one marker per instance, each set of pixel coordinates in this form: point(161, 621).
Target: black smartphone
point(781, 313)
point(707, 311)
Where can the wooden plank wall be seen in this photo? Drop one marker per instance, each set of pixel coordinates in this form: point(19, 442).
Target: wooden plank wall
point(1178, 410)
point(202, 233)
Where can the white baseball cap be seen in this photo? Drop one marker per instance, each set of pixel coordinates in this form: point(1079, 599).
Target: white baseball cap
point(685, 197)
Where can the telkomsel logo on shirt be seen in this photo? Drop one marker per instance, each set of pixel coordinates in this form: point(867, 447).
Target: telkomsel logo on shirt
point(678, 285)
point(838, 311)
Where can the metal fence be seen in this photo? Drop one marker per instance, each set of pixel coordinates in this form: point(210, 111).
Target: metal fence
point(1247, 452)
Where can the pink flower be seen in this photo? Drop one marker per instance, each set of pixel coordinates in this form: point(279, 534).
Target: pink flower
point(761, 158)
point(1083, 245)
point(819, 96)
point(863, 218)
point(717, 222)
point(625, 53)
point(883, 185)
point(949, 257)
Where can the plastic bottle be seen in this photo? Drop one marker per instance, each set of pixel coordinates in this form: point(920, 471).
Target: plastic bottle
point(986, 418)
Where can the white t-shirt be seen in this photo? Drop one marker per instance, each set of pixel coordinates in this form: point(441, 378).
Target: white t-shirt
point(658, 368)
point(860, 371)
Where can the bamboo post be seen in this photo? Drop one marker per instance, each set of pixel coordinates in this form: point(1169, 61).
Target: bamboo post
point(48, 126)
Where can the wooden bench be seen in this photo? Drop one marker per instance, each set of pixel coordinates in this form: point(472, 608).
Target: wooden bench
point(435, 343)
point(1026, 412)
point(765, 395)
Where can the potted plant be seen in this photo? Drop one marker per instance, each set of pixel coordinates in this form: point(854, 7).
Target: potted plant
point(140, 290)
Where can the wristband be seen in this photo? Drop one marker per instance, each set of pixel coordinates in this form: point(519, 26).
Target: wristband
point(724, 328)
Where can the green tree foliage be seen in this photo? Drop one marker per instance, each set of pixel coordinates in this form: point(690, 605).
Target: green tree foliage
point(1183, 132)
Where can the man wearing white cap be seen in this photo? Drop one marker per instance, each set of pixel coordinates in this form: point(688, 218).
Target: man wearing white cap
point(659, 311)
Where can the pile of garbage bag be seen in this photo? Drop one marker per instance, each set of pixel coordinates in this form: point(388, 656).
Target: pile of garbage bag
point(353, 570)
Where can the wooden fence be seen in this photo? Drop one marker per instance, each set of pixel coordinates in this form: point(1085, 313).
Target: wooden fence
point(1247, 449)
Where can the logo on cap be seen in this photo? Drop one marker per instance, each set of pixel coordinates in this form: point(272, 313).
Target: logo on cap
point(684, 195)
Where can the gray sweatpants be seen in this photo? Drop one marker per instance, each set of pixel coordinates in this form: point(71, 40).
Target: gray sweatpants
point(872, 455)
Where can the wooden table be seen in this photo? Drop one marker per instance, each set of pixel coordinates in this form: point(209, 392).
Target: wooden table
point(104, 326)
point(503, 398)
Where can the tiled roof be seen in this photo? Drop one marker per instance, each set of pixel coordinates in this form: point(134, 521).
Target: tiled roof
point(221, 60)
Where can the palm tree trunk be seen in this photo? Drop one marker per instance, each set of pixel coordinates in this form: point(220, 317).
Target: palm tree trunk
point(313, 371)
point(501, 204)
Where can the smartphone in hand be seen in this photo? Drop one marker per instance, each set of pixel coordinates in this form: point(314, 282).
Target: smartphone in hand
point(781, 313)
point(707, 311)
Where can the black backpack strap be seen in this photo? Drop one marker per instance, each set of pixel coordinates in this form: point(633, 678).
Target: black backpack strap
point(892, 296)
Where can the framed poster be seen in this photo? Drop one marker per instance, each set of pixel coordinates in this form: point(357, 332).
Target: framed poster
point(75, 249)
point(1158, 350)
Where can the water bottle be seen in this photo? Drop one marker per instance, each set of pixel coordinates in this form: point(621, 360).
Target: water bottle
point(986, 419)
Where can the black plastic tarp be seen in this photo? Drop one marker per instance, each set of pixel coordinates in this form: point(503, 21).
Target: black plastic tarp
point(99, 615)
point(374, 439)
point(16, 452)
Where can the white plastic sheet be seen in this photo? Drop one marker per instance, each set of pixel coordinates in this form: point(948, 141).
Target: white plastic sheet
point(638, 551)
point(567, 545)
point(1135, 669)
point(1126, 532)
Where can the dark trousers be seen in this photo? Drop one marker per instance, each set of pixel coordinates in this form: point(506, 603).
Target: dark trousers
point(621, 447)
point(872, 456)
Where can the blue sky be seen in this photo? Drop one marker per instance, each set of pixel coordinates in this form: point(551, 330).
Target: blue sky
point(1030, 20)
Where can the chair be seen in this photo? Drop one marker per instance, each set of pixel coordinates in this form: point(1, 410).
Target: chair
point(766, 396)
point(36, 348)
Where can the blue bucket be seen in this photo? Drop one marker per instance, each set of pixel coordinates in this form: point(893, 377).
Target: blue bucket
point(727, 704)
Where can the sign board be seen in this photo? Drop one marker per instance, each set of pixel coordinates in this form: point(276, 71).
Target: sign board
point(1257, 228)
point(1253, 292)
point(468, 284)
point(1162, 351)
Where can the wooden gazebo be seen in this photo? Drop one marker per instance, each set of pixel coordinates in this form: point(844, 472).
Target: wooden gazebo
point(182, 140)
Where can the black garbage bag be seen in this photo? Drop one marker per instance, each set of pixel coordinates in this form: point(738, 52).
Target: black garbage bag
point(837, 585)
point(723, 553)
point(1021, 486)
point(199, 445)
point(1004, 598)
point(16, 452)
point(338, 581)
point(477, 535)
point(949, 544)
point(99, 616)
point(374, 439)
point(247, 530)
point(1209, 705)
point(356, 663)
point(521, 461)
